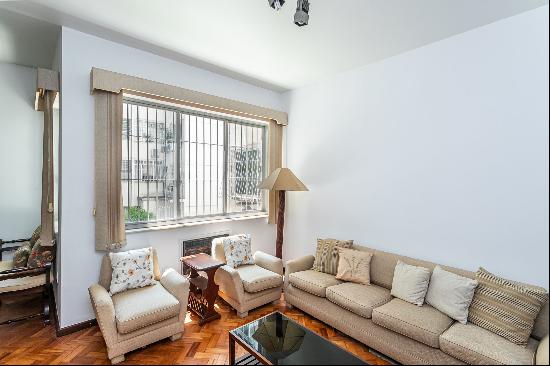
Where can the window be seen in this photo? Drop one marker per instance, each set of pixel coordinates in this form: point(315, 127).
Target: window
point(182, 165)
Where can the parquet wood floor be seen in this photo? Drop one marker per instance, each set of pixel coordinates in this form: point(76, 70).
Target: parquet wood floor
point(30, 342)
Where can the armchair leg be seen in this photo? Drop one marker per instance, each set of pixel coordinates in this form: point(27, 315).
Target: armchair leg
point(117, 359)
point(175, 337)
point(243, 314)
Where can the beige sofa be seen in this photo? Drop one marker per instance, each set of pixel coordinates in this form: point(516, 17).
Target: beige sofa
point(407, 333)
point(250, 286)
point(136, 318)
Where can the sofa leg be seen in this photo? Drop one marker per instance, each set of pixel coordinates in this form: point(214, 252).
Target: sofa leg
point(289, 306)
point(243, 314)
point(175, 337)
point(117, 359)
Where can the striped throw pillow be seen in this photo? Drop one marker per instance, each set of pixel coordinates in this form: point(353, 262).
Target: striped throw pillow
point(326, 256)
point(506, 308)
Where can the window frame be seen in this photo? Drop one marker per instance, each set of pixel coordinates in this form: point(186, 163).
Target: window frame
point(226, 119)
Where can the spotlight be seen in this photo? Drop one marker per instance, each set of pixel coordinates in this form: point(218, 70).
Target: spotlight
point(276, 4)
point(302, 13)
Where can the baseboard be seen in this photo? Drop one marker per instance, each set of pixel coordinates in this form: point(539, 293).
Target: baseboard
point(60, 332)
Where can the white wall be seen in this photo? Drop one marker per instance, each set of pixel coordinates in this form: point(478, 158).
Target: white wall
point(440, 153)
point(80, 262)
point(20, 152)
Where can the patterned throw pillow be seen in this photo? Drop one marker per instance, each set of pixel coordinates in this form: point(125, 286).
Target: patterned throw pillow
point(326, 255)
point(354, 266)
point(40, 255)
point(21, 255)
point(238, 251)
point(506, 308)
point(131, 269)
point(35, 235)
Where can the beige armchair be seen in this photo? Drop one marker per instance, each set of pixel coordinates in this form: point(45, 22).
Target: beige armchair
point(139, 317)
point(250, 286)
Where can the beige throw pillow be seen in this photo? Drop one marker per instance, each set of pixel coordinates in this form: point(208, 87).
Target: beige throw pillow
point(326, 255)
point(506, 308)
point(451, 294)
point(410, 283)
point(354, 266)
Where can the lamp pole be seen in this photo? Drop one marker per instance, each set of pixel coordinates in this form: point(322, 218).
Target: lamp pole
point(280, 225)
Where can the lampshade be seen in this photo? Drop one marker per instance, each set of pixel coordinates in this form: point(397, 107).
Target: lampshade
point(282, 179)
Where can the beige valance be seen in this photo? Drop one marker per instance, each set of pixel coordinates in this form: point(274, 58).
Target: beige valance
point(115, 83)
point(45, 80)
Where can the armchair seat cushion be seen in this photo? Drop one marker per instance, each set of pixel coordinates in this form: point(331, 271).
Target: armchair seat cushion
point(19, 284)
point(357, 298)
point(314, 282)
point(475, 345)
point(256, 278)
point(141, 307)
point(6, 265)
point(422, 323)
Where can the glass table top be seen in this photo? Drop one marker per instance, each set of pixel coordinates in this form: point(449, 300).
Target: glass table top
point(282, 341)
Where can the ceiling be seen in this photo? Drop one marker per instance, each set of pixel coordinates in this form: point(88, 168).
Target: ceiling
point(26, 41)
point(248, 40)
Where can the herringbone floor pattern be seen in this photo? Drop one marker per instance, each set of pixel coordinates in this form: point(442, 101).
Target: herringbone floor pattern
point(30, 342)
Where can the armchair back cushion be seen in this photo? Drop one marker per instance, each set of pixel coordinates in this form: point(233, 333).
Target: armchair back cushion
point(106, 272)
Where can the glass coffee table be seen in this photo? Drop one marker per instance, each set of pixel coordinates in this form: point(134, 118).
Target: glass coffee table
point(278, 340)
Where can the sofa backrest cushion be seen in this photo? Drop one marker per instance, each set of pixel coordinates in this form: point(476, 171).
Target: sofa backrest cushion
point(383, 265)
point(106, 271)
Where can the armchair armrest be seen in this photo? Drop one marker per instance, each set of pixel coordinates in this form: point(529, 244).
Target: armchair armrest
point(542, 352)
point(178, 286)
point(104, 310)
point(298, 265)
point(230, 283)
point(269, 262)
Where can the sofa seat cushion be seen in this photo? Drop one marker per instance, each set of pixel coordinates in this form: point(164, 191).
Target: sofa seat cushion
point(357, 298)
point(138, 308)
point(314, 282)
point(256, 278)
point(475, 345)
point(421, 323)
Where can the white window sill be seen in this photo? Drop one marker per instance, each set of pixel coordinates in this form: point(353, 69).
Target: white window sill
point(197, 222)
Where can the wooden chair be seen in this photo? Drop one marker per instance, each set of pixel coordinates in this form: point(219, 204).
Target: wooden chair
point(17, 282)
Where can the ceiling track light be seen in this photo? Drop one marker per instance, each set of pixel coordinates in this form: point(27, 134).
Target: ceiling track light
point(302, 13)
point(276, 4)
point(301, 17)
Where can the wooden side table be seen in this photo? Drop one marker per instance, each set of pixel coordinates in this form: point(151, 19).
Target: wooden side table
point(203, 291)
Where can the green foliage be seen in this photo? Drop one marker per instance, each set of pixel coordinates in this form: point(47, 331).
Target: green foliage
point(137, 214)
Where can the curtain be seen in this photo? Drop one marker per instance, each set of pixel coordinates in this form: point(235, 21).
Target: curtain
point(275, 161)
point(110, 231)
point(46, 210)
